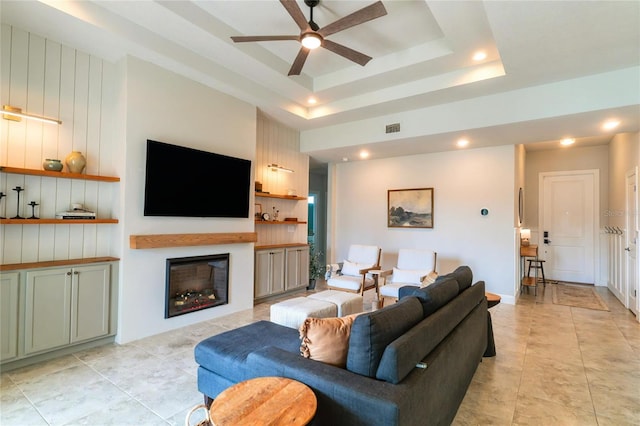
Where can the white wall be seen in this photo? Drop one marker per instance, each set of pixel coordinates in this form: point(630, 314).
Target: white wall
point(166, 107)
point(464, 182)
point(624, 152)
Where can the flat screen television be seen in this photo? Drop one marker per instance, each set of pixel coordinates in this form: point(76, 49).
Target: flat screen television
point(187, 182)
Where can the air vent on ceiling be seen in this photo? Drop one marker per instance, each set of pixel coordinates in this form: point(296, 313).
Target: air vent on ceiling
point(393, 128)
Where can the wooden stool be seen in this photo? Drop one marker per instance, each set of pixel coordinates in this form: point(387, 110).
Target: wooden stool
point(538, 264)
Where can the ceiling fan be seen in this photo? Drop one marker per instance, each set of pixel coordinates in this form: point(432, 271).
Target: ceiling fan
point(312, 36)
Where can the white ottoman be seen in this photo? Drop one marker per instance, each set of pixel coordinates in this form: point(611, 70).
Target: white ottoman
point(347, 303)
point(293, 312)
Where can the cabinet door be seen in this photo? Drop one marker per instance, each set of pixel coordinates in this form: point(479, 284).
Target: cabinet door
point(262, 274)
point(9, 315)
point(277, 270)
point(90, 302)
point(47, 309)
point(297, 267)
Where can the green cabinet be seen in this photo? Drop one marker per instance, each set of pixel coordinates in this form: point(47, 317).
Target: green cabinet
point(269, 272)
point(9, 290)
point(66, 305)
point(297, 267)
point(53, 309)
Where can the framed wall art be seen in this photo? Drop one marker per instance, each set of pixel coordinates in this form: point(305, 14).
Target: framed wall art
point(410, 208)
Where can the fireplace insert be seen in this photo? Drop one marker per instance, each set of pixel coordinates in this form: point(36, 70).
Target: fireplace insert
point(195, 283)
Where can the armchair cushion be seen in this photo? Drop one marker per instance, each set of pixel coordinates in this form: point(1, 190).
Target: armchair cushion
point(369, 255)
point(408, 276)
point(353, 268)
point(348, 282)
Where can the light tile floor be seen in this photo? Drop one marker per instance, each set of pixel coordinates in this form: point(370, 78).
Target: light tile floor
point(555, 365)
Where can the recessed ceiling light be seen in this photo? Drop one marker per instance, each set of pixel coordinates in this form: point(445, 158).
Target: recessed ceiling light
point(364, 154)
point(345, 159)
point(610, 124)
point(312, 100)
point(567, 141)
point(480, 56)
point(462, 143)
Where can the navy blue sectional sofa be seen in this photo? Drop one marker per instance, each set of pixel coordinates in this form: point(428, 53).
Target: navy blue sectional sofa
point(408, 364)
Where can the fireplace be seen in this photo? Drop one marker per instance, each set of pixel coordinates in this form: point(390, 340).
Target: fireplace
point(195, 283)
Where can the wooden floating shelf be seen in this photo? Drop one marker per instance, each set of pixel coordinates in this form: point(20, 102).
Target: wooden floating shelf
point(56, 263)
point(185, 240)
point(279, 222)
point(62, 175)
point(287, 245)
point(55, 221)
point(283, 197)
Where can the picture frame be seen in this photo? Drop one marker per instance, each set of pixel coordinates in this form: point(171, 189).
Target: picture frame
point(258, 211)
point(410, 208)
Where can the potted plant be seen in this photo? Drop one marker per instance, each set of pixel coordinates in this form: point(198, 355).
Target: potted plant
point(316, 267)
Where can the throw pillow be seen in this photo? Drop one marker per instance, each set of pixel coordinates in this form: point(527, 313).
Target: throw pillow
point(353, 268)
point(326, 339)
point(429, 279)
point(408, 276)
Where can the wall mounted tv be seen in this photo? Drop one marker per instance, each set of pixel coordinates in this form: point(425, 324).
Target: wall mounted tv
point(186, 182)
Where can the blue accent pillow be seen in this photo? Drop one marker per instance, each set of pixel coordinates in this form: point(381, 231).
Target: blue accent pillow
point(434, 296)
point(372, 332)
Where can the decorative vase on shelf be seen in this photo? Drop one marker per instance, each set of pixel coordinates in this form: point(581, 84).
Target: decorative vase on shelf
point(52, 165)
point(75, 162)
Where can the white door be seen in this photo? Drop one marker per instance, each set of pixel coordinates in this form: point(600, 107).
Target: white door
point(567, 225)
point(631, 260)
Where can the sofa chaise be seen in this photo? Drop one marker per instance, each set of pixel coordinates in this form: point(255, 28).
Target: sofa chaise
point(409, 363)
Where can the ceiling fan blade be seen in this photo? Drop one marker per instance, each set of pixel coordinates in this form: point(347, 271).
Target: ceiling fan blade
point(344, 51)
point(297, 15)
point(241, 39)
point(358, 17)
point(296, 68)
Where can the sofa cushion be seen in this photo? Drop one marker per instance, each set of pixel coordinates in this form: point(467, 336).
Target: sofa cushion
point(371, 333)
point(463, 275)
point(434, 296)
point(326, 339)
point(226, 353)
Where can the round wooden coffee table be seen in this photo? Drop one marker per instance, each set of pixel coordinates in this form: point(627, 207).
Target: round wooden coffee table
point(264, 401)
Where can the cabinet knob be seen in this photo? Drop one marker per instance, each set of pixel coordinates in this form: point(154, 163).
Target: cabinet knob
point(69, 273)
point(75, 272)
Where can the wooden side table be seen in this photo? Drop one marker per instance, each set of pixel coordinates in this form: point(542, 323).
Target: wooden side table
point(264, 401)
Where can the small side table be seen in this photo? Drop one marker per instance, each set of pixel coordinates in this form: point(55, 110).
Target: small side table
point(264, 401)
point(492, 300)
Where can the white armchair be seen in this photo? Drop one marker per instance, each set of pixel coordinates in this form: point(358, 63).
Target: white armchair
point(353, 276)
point(413, 266)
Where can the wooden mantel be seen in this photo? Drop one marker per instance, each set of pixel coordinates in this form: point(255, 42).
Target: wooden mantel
point(185, 240)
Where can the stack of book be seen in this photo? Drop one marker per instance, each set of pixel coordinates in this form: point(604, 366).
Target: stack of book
point(76, 214)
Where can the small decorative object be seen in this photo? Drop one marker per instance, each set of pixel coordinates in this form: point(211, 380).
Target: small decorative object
point(52, 165)
point(275, 214)
point(258, 210)
point(75, 162)
point(18, 189)
point(33, 205)
point(290, 219)
point(258, 186)
point(266, 216)
point(525, 237)
point(410, 208)
point(2, 195)
point(316, 268)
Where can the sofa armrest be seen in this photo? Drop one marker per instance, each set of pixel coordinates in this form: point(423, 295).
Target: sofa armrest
point(356, 399)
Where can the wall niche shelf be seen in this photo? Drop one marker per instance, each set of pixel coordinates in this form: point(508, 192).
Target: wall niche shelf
point(62, 175)
point(280, 196)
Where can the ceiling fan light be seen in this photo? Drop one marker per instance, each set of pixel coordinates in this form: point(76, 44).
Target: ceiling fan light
point(311, 40)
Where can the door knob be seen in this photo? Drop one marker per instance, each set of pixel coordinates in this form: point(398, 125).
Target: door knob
point(627, 249)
